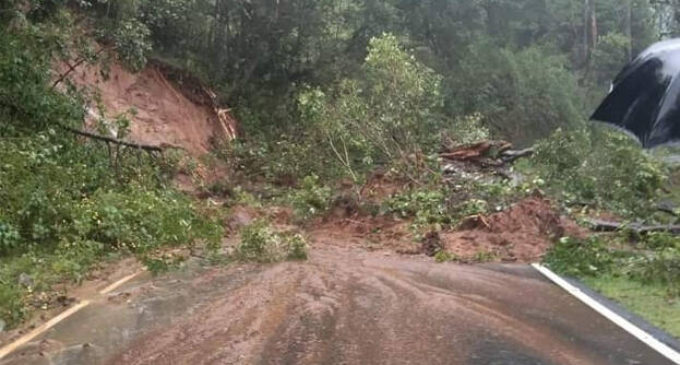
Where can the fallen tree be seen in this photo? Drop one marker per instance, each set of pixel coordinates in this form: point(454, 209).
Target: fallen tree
point(147, 148)
point(609, 226)
point(486, 153)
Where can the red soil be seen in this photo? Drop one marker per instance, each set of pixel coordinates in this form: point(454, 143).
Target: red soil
point(164, 114)
point(523, 233)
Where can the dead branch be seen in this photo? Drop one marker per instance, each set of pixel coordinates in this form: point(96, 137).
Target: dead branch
point(118, 142)
point(668, 208)
point(608, 226)
point(476, 151)
point(73, 67)
point(511, 156)
point(486, 153)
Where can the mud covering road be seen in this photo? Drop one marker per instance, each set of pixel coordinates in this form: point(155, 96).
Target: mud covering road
point(343, 306)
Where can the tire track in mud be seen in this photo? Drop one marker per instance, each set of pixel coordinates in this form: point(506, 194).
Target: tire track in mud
point(347, 307)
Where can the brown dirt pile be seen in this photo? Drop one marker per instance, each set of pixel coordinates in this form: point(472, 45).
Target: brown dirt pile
point(371, 233)
point(523, 233)
point(166, 115)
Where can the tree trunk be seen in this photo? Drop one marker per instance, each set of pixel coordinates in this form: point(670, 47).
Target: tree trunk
point(629, 28)
point(586, 38)
point(593, 26)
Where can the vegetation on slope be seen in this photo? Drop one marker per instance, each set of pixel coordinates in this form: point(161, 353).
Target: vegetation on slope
point(327, 92)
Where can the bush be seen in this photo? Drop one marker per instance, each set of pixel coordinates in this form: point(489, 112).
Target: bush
point(661, 266)
point(297, 248)
point(469, 129)
point(311, 198)
point(65, 205)
point(658, 262)
point(391, 112)
point(579, 258)
point(131, 38)
point(261, 243)
point(281, 160)
point(426, 206)
point(604, 168)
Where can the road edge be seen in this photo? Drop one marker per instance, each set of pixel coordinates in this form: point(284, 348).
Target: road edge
point(612, 316)
point(14, 345)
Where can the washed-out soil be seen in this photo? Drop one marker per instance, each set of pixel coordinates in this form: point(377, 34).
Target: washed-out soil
point(165, 112)
point(523, 233)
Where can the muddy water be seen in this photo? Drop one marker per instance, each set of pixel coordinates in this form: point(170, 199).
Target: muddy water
point(341, 307)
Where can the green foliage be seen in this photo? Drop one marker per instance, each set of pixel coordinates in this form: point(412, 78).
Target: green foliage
point(485, 256)
point(610, 56)
point(281, 161)
point(657, 263)
point(427, 207)
point(131, 39)
point(297, 248)
point(140, 221)
point(26, 101)
point(523, 95)
point(469, 129)
point(9, 238)
point(163, 263)
point(603, 168)
point(661, 264)
point(576, 257)
point(444, 256)
point(311, 198)
point(69, 203)
point(390, 113)
point(261, 243)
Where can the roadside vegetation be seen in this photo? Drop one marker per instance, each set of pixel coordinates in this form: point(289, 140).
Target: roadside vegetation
point(332, 97)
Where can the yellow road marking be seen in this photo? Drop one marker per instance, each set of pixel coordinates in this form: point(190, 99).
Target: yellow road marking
point(4, 351)
point(42, 328)
point(118, 283)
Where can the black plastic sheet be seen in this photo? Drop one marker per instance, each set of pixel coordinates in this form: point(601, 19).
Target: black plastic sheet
point(645, 96)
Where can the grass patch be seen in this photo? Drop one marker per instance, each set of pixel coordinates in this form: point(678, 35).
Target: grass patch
point(650, 301)
point(643, 277)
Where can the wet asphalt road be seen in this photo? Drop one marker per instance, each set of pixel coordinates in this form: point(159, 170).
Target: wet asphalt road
point(341, 307)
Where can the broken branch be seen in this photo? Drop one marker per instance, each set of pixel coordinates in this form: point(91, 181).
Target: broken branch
point(608, 226)
point(73, 67)
point(78, 132)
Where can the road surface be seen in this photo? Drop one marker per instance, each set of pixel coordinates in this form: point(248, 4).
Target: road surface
point(343, 306)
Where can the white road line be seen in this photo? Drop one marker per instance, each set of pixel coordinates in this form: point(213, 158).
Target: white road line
point(641, 335)
point(42, 328)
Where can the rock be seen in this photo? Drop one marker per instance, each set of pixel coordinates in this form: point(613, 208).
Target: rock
point(2, 325)
point(25, 280)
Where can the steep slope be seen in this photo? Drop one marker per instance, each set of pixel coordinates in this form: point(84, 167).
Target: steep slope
point(165, 114)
